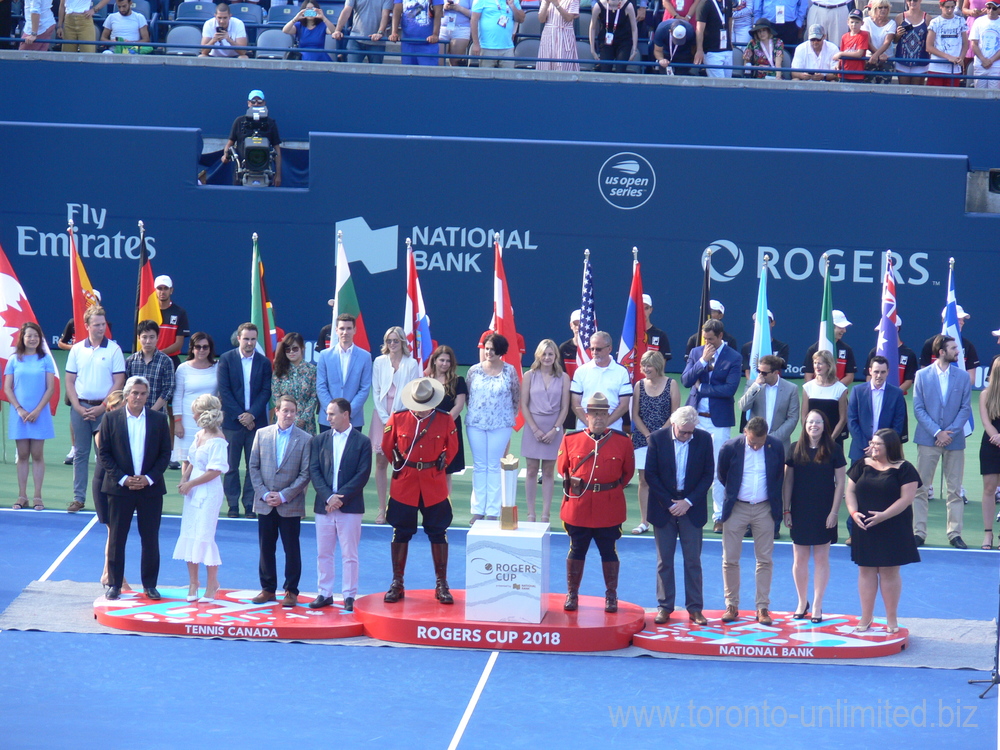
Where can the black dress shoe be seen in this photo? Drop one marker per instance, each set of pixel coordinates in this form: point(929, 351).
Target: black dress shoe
point(919, 540)
point(233, 513)
point(662, 615)
point(321, 601)
point(113, 592)
point(174, 466)
point(348, 603)
point(959, 543)
point(152, 593)
point(249, 514)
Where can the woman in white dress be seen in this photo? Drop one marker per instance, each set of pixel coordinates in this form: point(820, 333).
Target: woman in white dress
point(201, 486)
point(390, 372)
point(195, 377)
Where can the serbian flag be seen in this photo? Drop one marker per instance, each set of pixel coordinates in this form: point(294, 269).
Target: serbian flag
point(888, 335)
point(15, 310)
point(416, 323)
point(82, 292)
point(633, 341)
point(588, 319)
point(147, 306)
point(345, 300)
point(261, 311)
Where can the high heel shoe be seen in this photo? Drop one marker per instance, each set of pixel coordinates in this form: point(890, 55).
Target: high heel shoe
point(988, 540)
point(861, 628)
point(801, 615)
point(817, 617)
point(892, 630)
point(208, 599)
point(192, 593)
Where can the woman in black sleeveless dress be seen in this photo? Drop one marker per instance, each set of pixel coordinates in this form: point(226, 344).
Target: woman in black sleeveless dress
point(989, 450)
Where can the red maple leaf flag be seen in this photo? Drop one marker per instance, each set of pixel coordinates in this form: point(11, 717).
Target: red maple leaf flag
point(15, 310)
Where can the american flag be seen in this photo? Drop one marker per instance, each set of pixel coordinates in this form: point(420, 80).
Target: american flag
point(888, 336)
point(588, 321)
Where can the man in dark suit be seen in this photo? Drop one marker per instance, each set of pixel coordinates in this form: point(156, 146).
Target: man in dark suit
point(245, 389)
point(135, 451)
point(874, 406)
point(752, 468)
point(340, 463)
point(679, 470)
point(713, 374)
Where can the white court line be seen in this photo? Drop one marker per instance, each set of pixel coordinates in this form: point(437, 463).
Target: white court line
point(473, 701)
point(69, 548)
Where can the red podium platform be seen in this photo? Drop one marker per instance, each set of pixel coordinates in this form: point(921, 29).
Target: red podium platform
point(834, 638)
point(231, 615)
point(419, 619)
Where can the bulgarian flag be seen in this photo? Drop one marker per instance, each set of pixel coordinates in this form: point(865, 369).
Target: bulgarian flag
point(82, 293)
point(261, 311)
point(826, 335)
point(15, 311)
point(147, 306)
point(346, 299)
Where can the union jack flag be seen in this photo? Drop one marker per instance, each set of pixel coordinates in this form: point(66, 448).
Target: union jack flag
point(588, 320)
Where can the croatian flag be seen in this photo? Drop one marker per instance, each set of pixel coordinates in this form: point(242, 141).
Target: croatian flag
point(633, 341)
point(888, 335)
point(417, 325)
point(950, 327)
point(588, 320)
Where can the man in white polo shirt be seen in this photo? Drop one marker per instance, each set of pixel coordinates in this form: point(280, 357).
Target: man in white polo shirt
point(228, 35)
point(94, 368)
point(601, 375)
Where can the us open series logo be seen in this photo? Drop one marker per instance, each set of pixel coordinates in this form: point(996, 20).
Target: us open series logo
point(626, 180)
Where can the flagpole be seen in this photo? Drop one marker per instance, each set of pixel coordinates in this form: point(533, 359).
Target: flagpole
point(705, 312)
point(138, 287)
point(335, 303)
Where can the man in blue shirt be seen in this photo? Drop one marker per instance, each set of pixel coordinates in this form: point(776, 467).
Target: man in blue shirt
point(417, 19)
point(492, 28)
point(786, 16)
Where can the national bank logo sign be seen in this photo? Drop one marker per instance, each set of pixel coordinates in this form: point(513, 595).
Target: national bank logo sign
point(626, 180)
point(378, 249)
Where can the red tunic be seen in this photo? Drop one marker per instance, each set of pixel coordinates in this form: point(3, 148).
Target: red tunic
point(615, 461)
point(431, 483)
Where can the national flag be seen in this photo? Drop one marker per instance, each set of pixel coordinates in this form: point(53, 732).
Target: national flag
point(15, 310)
point(761, 345)
point(345, 300)
point(147, 305)
point(261, 311)
point(827, 337)
point(633, 341)
point(588, 320)
point(705, 311)
point(950, 327)
point(81, 291)
point(888, 334)
point(416, 323)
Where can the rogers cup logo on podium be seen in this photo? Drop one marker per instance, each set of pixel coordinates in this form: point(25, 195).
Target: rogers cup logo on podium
point(506, 572)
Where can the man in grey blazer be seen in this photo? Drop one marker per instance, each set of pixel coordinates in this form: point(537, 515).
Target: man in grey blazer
point(774, 398)
point(340, 463)
point(344, 371)
point(941, 394)
point(279, 471)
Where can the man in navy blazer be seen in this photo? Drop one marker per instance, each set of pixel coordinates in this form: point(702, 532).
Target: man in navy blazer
point(752, 468)
point(244, 378)
point(713, 374)
point(941, 421)
point(679, 471)
point(134, 451)
point(873, 406)
point(344, 371)
point(340, 463)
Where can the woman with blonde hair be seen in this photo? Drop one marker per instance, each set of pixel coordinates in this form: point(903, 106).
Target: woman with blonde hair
point(390, 373)
point(826, 394)
point(443, 367)
point(201, 486)
point(544, 404)
point(989, 450)
point(656, 397)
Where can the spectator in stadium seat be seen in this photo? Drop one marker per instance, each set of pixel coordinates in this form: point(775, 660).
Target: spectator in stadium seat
point(911, 44)
point(614, 34)
point(832, 15)
point(947, 42)
point(883, 33)
point(765, 52)
point(786, 17)
point(714, 37)
point(816, 55)
point(370, 19)
point(674, 43)
point(76, 23)
point(492, 29)
point(455, 33)
point(985, 40)
point(558, 34)
point(742, 21)
point(413, 20)
point(227, 35)
point(309, 28)
point(39, 24)
point(854, 48)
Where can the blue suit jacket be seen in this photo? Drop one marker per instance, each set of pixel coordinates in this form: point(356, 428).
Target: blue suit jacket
point(859, 416)
point(661, 475)
point(731, 472)
point(719, 385)
point(230, 379)
point(933, 415)
point(330, 384)
point(355, 469)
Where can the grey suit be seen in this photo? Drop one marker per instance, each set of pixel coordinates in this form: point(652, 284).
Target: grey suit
point(786, 409)
point(290, 478)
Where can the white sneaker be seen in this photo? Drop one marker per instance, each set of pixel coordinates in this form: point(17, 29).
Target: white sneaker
point(70, 456)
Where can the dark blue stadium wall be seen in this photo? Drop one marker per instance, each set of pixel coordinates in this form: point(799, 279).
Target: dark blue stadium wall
point(549, 198)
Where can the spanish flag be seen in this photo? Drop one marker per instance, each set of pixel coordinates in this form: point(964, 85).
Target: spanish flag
point(147, 306)
point(83, 295)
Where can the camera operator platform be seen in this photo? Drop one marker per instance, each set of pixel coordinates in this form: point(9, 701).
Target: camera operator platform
point(255, 146)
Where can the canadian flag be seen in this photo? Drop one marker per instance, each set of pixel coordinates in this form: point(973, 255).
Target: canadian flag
point(15, 311)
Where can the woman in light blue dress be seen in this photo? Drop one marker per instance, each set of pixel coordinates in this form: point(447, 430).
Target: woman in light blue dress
point(28, 383)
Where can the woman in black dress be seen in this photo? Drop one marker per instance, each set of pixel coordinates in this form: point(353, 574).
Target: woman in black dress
point(443, 367)
point(814, 485)
point(989, 451)
point(880, 492)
